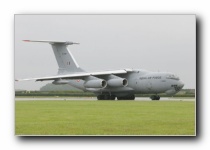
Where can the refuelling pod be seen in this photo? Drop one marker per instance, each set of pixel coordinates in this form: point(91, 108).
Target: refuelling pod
point(60, 81)
point(95, 83)
point(117, 82)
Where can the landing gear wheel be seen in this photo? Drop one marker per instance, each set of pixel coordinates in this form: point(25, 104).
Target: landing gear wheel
point(106, 97)
point(100, 97)
point(129, 97)
point(119, 98)
point(112, 97)
point(132, 97)
point(155, 97)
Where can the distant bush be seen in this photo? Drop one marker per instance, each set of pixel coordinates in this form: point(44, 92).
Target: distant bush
point(64, 87)
point(55, 93)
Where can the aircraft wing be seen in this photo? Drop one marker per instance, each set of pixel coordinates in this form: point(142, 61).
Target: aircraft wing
point(79, 75)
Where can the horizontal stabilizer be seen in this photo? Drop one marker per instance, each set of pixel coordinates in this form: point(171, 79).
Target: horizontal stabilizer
point(53, 42)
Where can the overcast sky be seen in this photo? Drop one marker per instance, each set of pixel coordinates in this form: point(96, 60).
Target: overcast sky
point(151, 42)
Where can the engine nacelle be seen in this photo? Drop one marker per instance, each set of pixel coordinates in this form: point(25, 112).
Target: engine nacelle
point(117, 82)
point(95, 83)
point(60, 81)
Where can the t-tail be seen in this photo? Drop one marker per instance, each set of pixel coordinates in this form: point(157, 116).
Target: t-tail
point(65, 59)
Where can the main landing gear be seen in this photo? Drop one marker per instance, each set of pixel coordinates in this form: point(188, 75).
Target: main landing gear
point(129, 97)
point(106, 97)
point(112, 97)
point(155, 97)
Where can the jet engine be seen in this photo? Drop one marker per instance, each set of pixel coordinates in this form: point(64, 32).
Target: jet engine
point(95, 83)
point(117, 82)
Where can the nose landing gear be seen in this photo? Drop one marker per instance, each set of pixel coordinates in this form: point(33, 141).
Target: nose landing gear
point(155, 97)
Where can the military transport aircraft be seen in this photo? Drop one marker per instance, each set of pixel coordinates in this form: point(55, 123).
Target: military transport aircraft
point(122, 84)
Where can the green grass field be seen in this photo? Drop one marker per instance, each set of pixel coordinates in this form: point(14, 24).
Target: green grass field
point(73, 117)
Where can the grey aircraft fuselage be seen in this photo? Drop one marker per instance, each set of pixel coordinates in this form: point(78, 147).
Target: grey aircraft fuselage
point(139, 82)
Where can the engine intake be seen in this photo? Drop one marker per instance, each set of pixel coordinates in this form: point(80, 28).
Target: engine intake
point(95, 84)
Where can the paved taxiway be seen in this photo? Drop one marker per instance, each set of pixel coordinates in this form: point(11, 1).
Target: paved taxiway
point(94, 98)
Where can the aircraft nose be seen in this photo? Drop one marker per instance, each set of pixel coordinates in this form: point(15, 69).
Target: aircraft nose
point(181, 84)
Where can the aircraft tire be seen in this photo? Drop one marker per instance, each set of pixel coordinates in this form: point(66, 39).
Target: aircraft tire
point(155, 97)
point(119, 98)
point(100, 97)
point(106, 97)
point(132, 97)
point(112, 97)
point(129, 97)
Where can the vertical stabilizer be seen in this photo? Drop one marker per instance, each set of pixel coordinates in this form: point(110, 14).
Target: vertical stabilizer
point(65, 59)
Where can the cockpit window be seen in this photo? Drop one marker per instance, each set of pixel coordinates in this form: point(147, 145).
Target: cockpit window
point(172, 76)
